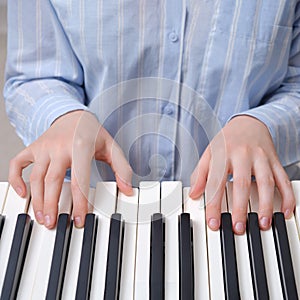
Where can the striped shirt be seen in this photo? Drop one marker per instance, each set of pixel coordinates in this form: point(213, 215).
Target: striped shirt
point(163, 76)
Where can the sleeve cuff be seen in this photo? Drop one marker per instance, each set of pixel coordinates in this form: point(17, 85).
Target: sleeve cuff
point(46, 111)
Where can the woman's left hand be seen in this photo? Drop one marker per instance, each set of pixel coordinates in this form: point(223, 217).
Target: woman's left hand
point(243, 148)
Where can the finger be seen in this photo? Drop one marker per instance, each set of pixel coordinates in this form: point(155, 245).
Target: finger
point(80, 183)
point(241, 166)
point(214, 193)
point(120, 166)
point(37, 187)
point(265, 186)
point(285, 188)
point(199, 176)
point(17, 164)
point(52, 189)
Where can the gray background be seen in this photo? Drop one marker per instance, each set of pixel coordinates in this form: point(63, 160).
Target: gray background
point(10, 144)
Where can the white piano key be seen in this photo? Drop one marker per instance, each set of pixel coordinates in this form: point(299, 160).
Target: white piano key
point(171, 208)
point(242, 254)
point(128, 208)
point(216, 280)
point(272, 271)
point(44, 257)
point(149, 203)
point(293, 237)
point(104, 207)
point(72, 268)
point(3, 193)
point(31, 262)
point(295, 248)
point(296, 188)
point(196, 209)
point(14, 205)
point(73, 262)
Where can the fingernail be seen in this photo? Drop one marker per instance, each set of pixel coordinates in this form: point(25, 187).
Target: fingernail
point(47, 220)
point(213, 224)
point(19, 191)
point(239, 227)
point(287, 214)
point(78, 222)
point(39, 217)
point(264, 222)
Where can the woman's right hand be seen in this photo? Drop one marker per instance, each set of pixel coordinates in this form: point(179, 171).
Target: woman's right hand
point(72, 141)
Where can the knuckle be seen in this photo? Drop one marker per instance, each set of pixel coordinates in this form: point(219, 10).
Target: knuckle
point(35, 177)
point(74, 186)
point(52, 177)
point(242, 182)
point(215, 183)
point(82, 145)
point(213, 207)
point(266, 181)
point(79, 142)
point(289, 200)
point(12, 177)
point(37, 204)
point(79, 188)
point(286, 182)
point(13, 163)
point(12, 180)
point(244, 151)
point(80, 208)
point(266, 211)
point(240, 211)
point(260, 152)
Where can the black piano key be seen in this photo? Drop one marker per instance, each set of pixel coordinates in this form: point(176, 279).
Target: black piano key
point(284, 259)
point(2, 219)
point(186, 272)
point(258, 271)
point(16, 257)
point(59, 257)
point(87, 257)
point(114, 257)
point(231, 283)
point(157, 258)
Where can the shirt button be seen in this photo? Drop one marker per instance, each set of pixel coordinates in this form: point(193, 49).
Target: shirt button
point(173, 36)
point(169, 110)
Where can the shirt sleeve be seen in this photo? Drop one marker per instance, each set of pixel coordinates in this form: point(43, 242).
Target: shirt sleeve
point(44, 78)
point(280, 111)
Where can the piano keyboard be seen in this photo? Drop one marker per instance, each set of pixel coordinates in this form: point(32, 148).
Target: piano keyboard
point(152, 245)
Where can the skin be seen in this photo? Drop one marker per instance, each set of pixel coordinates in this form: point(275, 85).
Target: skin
point(72, 141)
point(76, 138)
point(243, 148)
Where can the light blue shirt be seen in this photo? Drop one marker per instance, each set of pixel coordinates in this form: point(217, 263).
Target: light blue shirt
point(163, 76)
